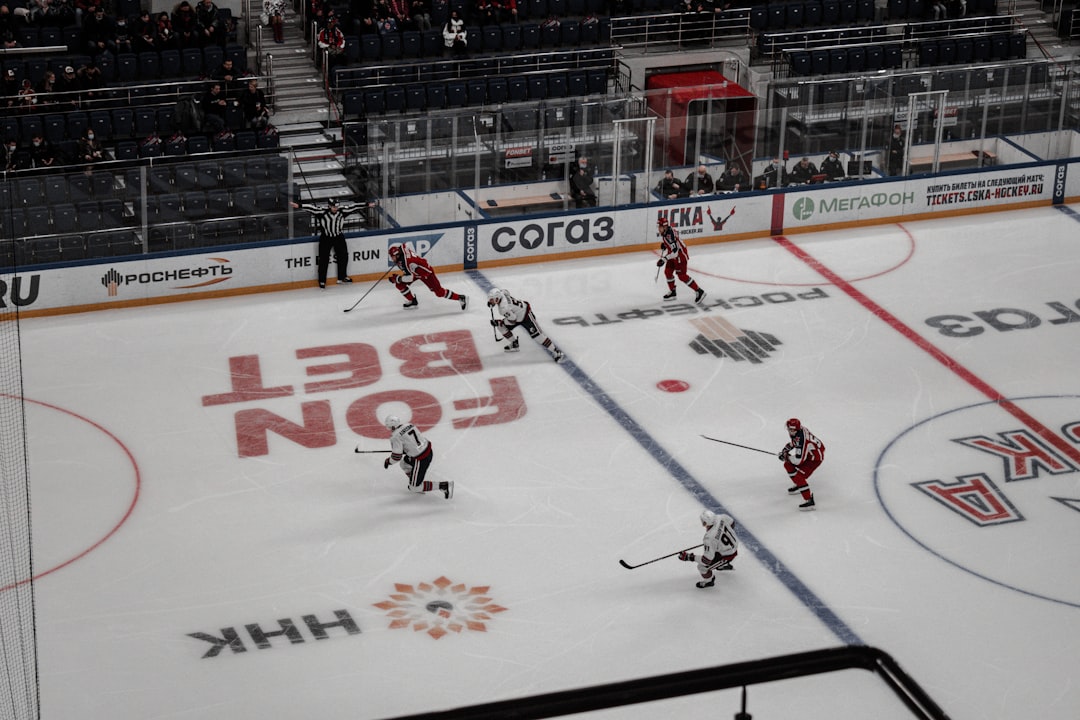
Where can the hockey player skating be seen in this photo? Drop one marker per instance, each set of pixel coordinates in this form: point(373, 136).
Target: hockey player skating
point(409, 447)
point(673, 258)
point(414, 268)
point(802, 456)
point(508, 313)
point(721, 547)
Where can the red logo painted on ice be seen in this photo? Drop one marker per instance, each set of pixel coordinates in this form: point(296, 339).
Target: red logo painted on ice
point(440, 607)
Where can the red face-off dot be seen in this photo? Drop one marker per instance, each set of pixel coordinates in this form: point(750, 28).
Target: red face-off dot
point(673, 386)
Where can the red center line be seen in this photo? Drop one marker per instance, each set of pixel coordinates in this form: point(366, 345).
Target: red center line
point(1055, 440)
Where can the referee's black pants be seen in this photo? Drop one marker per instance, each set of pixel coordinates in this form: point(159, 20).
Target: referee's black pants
point(341, 255)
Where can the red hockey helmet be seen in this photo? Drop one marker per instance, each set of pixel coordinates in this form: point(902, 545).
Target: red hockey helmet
point(793, 426)
point(395, 251)
point(661, 221)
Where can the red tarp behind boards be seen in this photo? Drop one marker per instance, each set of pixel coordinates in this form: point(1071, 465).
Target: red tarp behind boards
point(685, 87)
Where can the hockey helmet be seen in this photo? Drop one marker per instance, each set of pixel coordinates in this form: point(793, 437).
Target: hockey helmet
point(395, 251)
point(662, 221)
point(708, 518)
point(495, 295)
point(793, 426)
point(392, 422)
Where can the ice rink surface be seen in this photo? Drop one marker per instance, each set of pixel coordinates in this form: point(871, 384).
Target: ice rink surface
point(208, 544)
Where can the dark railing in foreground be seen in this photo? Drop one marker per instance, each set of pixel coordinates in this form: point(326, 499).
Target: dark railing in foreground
point(722, 677)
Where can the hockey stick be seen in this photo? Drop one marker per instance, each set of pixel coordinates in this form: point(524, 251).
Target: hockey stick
point(628, 566)
point(358, 450)
point(744, 447)
point(494, 331)
point(349, 309)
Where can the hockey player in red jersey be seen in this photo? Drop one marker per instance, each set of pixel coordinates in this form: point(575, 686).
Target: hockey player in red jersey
point(720, 547)
point(508, 312)
point(673, 258)
point(802, 456)
point(414, 267)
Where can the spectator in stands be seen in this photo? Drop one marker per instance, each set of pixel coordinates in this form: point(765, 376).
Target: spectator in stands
point(733, 179)
point(832, 167)
point(803, 171)
point(332, 41)
point(938, 10)
point(123, 39)
point(68, 84)
point(90, 148)
point(90, 82)
point(28, 98)
point(507, 11)
point(388, 26)
point(552, 21)
point(7, 21)
point(42, 154)
point(485, 13)
point(166, 35)
point(145, 31)
point(46, 88)
point(253, 102)
point(775, 175)
point(211, 27)
point(700, 182)
point(581, 184)
point(213, 105)
point(275, 12)
point(185, 25)
point(399, 11)
point(420, 15)
point(15, 158)
point(455, 35)
point(99, 32)
point(669, 187)
point(9, 89)
point(227, 74)
point(896, 151)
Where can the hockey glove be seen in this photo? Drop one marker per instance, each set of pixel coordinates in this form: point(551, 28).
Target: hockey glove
point(783, 454)
point(687, 557)
point(496, 322)
point(393, 278)
point(387, 463)
point(660, 262)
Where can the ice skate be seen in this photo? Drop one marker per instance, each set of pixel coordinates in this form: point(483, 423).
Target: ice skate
point(512, 346)
point(808, 505)
point(700, 294)
point(706, 583)
point(558, 356)
point(447, 489)
point(794, 490)
point(411, 304)
point(670, 296)
point(464, 300)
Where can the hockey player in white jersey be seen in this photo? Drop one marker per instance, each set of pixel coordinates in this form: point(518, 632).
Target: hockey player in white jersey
point(508, 313)
point(410, 448)
point(721, 547)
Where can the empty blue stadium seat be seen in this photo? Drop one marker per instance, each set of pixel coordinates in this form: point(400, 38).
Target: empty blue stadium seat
point(596, 81)
point(530, 36)
point(457, 94)
point(498, 90)
point(395, 99)
point(412, 44)
point(927, 53)
point(391, 46)
point(800, 63)
point(795, 14)
point(436, 95)
point(374, 101)
point(517, 89)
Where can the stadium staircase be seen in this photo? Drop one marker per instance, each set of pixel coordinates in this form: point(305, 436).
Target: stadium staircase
point(302, 114)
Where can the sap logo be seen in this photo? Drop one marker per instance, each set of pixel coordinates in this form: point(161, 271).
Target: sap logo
point(420, 244)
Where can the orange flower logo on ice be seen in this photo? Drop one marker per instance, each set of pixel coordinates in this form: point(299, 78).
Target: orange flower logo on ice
point(440, 607)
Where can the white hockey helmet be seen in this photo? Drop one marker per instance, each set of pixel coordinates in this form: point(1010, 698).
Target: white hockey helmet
point(495, 295)
point(392, 422)
point(708, 518)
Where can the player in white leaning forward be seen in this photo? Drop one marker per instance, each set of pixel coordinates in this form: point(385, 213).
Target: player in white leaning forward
point(409, 447)
point(673, 258)
point(802, 456)
point(721, 547)
point(508, 313)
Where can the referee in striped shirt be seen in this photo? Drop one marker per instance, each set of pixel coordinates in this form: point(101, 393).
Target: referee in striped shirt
point(331, 222)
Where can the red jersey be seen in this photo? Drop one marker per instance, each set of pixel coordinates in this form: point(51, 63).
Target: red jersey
point(671, 247)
